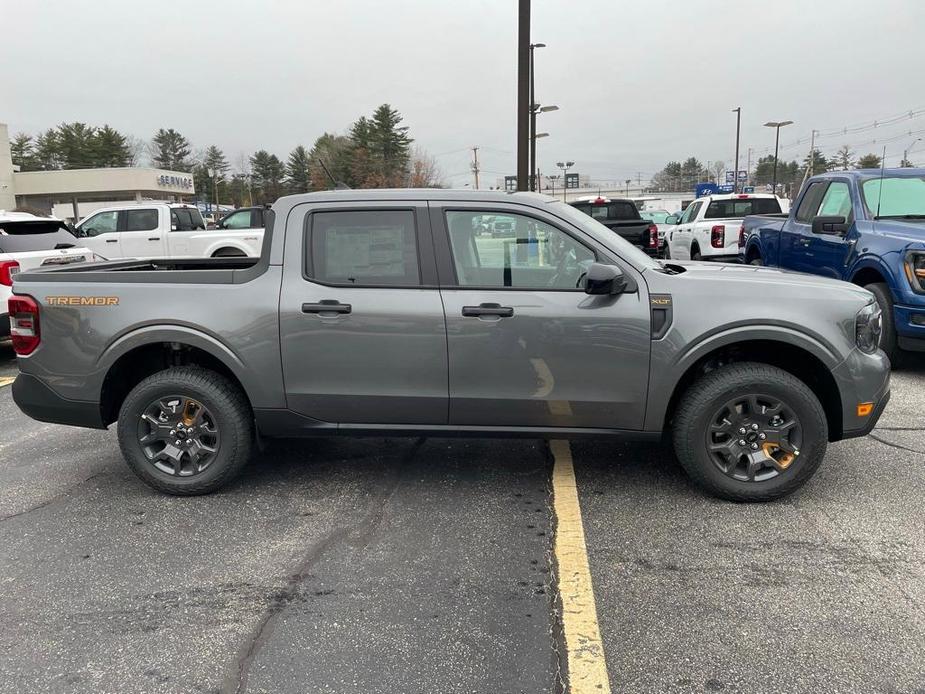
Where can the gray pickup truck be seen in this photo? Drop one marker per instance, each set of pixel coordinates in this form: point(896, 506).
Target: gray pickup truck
point(388, 313)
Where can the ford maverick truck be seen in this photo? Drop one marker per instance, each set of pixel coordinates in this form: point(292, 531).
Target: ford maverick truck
point(392, 313)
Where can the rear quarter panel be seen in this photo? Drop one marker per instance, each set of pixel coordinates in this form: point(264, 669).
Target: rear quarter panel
point(236, 323)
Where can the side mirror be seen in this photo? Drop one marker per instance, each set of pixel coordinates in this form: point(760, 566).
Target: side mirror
point(603, 279)
point(672, 219)
point(830, 225)
point(174, 227)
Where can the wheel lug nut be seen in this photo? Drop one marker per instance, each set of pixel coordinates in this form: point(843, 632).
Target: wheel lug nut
point(754, 446)
point(741, 430)
point(762, 436)
point(173, 432)
point(754, 427)
point(741, 442)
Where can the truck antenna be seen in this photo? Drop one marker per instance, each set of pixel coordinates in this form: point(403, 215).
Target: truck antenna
point(880, 192)
point(338, 185)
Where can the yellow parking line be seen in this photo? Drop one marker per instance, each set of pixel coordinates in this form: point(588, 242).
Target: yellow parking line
point(6, 380)
point(587, 667)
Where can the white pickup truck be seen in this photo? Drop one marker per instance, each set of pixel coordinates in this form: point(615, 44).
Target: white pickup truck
point(709, 227)
point(162, 230)
point(28, 241)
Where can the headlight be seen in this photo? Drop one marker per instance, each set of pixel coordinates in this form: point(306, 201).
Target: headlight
point(914, 264)
point(867, 328)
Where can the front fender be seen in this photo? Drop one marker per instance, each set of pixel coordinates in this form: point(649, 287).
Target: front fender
point(671, 360)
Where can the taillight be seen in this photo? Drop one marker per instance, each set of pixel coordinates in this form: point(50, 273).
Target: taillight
point(8, 268)
point(24, 324)
point(718, 236)
point(653, 236)
point(742, 236)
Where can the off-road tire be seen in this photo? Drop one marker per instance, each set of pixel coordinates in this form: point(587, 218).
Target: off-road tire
point(888, 339)
point(695, 252)
point(223, 399)
point(708, 393)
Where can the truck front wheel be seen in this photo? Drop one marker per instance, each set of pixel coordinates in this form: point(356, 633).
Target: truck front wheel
point(749, 432)
point(186, 430)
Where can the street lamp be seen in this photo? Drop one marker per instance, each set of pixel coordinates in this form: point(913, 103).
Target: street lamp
point(553, 178)
point(738, 112)
point(213, 172)
point(906, 151)
point(777, 125)
point(534, 108)
point(565, 166)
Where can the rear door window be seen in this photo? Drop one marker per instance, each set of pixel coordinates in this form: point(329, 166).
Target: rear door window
point(374, 248)
point(186, 219)
point(140, 220)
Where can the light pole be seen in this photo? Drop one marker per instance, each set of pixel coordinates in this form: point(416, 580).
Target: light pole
point(777, 125)
point(906, 152)
point(536, 108)
point(533, 111)
point(523, 94)
point(738, 112)
point(565, 166)
point(553, 178)
point(214, 174)
point(628, 181)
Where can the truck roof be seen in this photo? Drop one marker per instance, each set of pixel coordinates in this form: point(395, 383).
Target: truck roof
point(13, 216)
point(910, 172)
point(488, 196)
point(736, 196)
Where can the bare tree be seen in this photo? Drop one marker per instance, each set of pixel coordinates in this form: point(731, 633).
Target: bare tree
point(138, 150)
point(425, 172)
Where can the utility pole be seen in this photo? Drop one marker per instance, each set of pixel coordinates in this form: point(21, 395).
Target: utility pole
point(738, 112)
point(475, 165)
point(523, 94)
point(812, 154)
point(748, 167)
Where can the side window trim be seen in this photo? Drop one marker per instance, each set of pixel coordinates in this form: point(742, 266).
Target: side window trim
point(427, 277)
point(447, 268)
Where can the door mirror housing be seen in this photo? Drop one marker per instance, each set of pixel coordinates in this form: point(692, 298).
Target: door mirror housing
point(601, 279)
point(830, 225)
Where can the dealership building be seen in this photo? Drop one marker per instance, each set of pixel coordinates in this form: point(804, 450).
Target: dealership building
point(72, 194)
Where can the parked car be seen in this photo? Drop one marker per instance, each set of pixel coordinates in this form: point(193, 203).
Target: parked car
point(709, 227)
point(243, 218)
point(860, 226)
point(623, 218)
point(29, 241)
point(162, 230)
point(386, 312)
point(502, 227)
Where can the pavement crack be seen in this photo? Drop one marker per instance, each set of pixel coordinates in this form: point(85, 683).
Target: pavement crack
point(895, 445)
point(358, 534)
point(57, 497)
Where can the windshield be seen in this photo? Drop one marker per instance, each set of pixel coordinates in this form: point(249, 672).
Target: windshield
point(621, 247)
point(40, 235)
point(900, 197)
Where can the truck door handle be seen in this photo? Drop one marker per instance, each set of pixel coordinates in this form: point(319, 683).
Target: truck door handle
point(327, 306)
point(488, 310)
point(154, 238)
point(112, 240)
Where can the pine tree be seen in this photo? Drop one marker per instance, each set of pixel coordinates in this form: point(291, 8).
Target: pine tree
point(389, 147)
point(869, 161)
point(819, 163)
point(298, 171)
point(843, 160)
point(170, 150)
point(21, 151)
point(267, 176)
point(111, 148)
point(76, 144)
point(213, 171)
point(47, 152)
point(336, 152)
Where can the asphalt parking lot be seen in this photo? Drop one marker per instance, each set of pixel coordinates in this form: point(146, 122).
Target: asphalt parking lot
point(412, 565)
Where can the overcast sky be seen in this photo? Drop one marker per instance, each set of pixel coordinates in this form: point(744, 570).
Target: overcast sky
point(637, 83)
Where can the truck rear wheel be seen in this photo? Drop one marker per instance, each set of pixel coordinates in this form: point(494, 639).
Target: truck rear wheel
point(186, 431)
point(750, 432)
point(888, 341)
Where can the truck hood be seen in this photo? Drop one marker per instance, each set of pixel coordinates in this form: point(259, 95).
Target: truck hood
point(903, 231)
point(765, 278)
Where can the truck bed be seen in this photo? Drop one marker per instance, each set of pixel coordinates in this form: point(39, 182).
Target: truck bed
point(157, 270)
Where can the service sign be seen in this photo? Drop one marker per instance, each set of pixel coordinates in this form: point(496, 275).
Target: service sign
point(171, 181)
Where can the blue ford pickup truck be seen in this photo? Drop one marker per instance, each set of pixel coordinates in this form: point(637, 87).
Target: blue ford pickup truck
point(866, 227)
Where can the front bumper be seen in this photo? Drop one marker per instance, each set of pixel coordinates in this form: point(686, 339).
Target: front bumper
point(40, 402)
point(862, 378)
point(911, 334)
